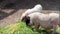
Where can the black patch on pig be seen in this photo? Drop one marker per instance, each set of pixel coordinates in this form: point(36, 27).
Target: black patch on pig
point(26, 20)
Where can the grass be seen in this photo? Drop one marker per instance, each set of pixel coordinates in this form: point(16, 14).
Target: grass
point(17, 28)
point(20, 28)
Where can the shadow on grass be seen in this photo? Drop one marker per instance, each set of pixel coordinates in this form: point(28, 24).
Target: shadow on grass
point(43, 31)
point(46, 32)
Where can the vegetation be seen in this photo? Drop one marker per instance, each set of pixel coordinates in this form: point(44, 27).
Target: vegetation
point(20, 28)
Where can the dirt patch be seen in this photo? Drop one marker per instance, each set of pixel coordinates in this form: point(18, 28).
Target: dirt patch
point(12, 9)
point(9, 19)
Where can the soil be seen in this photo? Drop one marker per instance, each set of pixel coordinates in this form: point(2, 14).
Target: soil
point(7, 17)
point(11, 10)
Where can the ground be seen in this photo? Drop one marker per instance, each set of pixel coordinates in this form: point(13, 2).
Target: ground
point(12, 15)
point(9, 16)
point(14, 8)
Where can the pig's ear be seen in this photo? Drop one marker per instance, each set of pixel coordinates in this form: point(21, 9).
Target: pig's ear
point(28, 18)
point(23, 18)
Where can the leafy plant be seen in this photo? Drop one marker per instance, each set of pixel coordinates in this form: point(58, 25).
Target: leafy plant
point(21, 28)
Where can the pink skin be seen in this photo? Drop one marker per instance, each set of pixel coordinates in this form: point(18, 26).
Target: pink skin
point(37, 20)
point(36, 8)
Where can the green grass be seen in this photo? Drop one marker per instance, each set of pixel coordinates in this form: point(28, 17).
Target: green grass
point(17, 28)
point(20, 28)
